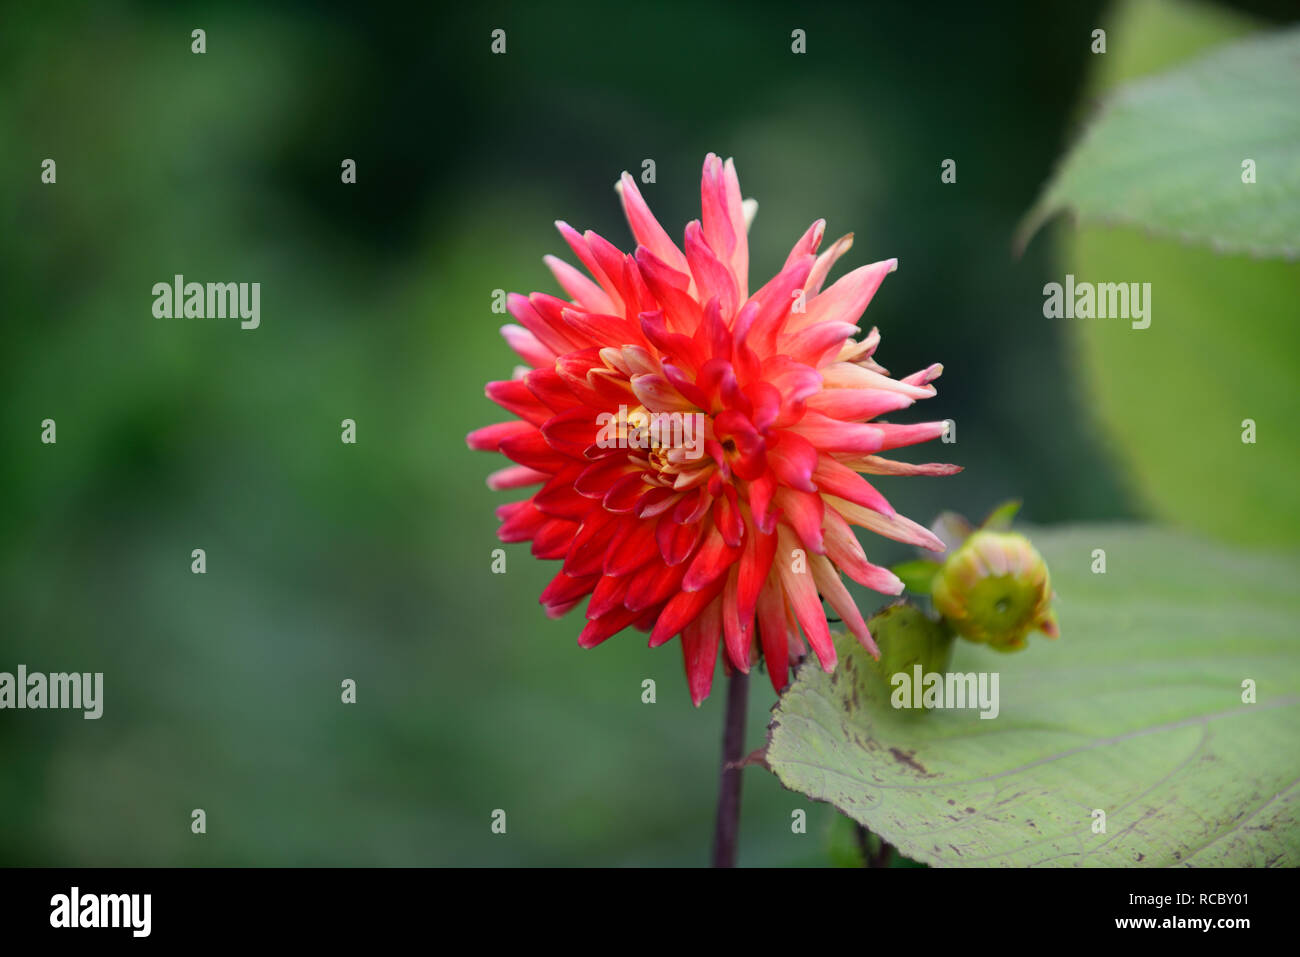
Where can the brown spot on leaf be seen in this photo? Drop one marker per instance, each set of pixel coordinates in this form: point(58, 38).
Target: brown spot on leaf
point(907, 758)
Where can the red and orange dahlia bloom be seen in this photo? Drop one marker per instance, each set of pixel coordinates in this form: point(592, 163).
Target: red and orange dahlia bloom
point(736, 538)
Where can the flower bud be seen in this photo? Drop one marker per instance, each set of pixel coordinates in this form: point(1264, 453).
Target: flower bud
point(907, 637)
point(995, 589)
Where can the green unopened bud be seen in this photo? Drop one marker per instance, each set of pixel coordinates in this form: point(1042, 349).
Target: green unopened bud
point(995, 589)
point(907, 637)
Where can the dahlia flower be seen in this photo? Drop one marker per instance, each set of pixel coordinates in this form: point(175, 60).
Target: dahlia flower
point(735, 537)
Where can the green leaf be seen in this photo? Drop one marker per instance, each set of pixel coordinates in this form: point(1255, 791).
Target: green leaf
point(917, 575)
point(1200, 406)
point(1166, 153)
point(1000, 518)
point(1136, 711)
point(1222, 338)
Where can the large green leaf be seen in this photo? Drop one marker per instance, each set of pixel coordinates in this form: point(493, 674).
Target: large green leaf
point(1166, 153)
point(1177, 399)
point(1136, 711)
point(1223, 337)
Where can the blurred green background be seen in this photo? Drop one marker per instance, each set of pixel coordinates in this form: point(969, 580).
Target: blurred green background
point(329, 561)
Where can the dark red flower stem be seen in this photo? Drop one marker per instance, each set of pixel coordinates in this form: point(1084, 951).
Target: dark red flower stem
point(726, 836)
point(882, 854)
